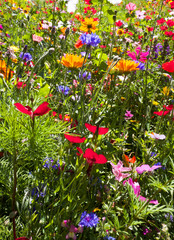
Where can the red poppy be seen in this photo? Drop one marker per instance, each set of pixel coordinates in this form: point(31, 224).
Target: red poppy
point(162, 112)
point(22, 238)
point(169, 34)
point(170, 23)
point(131, 160)
point(93, 129)
point(163, 28)
point(21, 85)
point(74, 138)
point(93, 158)
point(168, 66)
point(40, 111)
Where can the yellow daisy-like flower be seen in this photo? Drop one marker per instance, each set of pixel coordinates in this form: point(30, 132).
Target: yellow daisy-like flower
point(72, 61)
point(120, 32)
point(88, 25)
point(14, 48)
point(4, 70)
point(123, 66)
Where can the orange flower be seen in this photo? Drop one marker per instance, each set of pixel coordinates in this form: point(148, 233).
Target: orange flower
point(89, 25)
point(123, 66)
point(72, 61)
point(7, 73)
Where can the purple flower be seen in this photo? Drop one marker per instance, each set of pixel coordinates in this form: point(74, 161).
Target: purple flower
point(48, 163)
point(90, 39)
point(85, 75)
point(84, 53)
point(141, 65)
point(64, 89)
point(147, 168)
point(25, 56)
point(88, 220)
point(128, 115)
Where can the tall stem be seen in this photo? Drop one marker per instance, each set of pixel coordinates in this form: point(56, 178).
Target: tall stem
point(14, 188)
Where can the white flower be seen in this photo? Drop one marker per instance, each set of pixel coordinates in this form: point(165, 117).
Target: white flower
point(115, 1)
point(71, 5)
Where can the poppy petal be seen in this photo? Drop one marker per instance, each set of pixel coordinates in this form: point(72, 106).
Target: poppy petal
point(80, 151)
point(101, 159)
point(93, 129)
point(42, 109)
point(26, 110)
point(74, 138)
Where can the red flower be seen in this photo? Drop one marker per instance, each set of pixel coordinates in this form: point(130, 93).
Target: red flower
point(163, 113)
point(92, 157)
point(78, 44)
point(118, 23)
point(168, 66)
point(150, 29)
point(161, 21)
point(163, 28)
point(169, 34)
point(172, 5)
point(21, 85)
point(170, 23)
point(74, 138)
point(40, 111)
point(22, 238)
point(93, 129)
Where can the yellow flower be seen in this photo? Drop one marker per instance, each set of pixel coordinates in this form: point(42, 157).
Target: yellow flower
point(120, 32)
point(123, 66)
point(166, 91)
point(155, 103)
point(14, 48)
point(4, 70)
point(117, 50)
point(72, 61)
point(88, 25)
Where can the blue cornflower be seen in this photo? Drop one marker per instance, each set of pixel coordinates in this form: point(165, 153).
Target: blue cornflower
point(153, 154)
point(48, 163)
point(141, 65)
point(109, 238)
point(64, 89)
point(86, 75)
point(90, 39)
point(25, 56)
point(159, 164)
point(88, 219)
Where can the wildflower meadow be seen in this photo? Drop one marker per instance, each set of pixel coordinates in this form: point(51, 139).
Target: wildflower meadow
point(86, 119)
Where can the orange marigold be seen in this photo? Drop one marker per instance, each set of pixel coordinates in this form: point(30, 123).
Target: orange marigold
point(72, 61)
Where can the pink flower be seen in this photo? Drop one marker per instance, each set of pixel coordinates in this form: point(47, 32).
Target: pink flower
point(37, 38)
point(142, 55)
point(131, 6)
point(136, 188)
point(118, 171)
point(128, 115)
point(146, 168)
point(157, 136)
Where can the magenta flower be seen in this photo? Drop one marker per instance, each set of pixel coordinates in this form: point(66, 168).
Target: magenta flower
point(1, 27)
point(139, 54)
point(136, 188)
point(131, 6)
point(118, 171)
point(128, 115)
point(146, 168)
